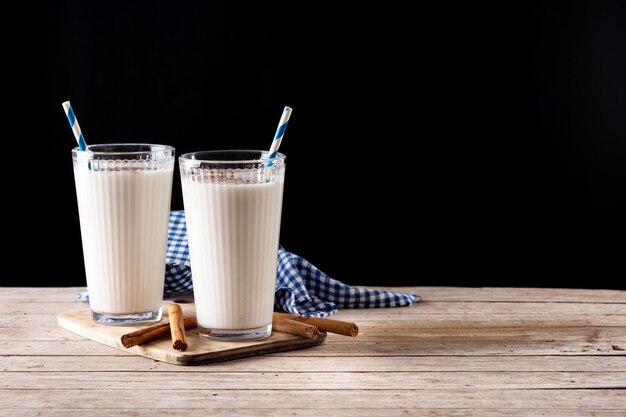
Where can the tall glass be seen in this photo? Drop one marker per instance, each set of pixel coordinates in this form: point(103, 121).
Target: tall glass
point(233, 202)
point(124, 193)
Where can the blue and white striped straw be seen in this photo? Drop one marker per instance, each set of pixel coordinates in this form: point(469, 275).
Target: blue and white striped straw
point(278, 137)
point(82, 145)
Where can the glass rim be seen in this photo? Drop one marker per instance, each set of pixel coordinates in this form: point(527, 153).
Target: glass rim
point(155, 148)
point(190, 156)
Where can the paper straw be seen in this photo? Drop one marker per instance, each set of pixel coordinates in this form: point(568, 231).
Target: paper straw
point(278, 137)
point(82, 145)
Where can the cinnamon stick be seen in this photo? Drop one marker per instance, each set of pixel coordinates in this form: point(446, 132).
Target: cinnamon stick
point(295, 327)
point(328, 325)
point(153, 332)
point(177, 327)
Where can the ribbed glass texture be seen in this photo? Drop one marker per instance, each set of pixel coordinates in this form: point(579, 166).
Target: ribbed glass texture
point(124, 193)
point(233, 207)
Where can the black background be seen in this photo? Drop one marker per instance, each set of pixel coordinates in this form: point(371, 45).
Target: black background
point(451, 145)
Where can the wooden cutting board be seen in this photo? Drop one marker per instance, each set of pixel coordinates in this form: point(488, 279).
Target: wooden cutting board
point(200, 351)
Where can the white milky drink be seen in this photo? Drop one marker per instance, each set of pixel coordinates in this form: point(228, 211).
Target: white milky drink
point(123, 194)
point(233, 212)
point(233, 237)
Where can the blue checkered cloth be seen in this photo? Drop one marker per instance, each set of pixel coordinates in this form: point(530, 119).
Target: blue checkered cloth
point(301, 288)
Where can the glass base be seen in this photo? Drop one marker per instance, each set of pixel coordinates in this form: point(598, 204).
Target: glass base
point(126, 319)
point(229, 335)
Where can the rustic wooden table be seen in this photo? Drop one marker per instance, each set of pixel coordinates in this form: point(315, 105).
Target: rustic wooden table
point(463, 351)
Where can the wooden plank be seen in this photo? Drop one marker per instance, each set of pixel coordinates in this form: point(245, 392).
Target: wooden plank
point(316, 412)
point(541, 295)
point(42, 309)
point(471, 335)
point(85, 347)
point(369, 318)
point(582, 319)
point(273, 362)
point(502, 334)
point(479, 329)
point(432, 309)
point(277, 380)
point(389, 325)
point(39, 294)
point(33, 327)
point(424, 330)
point(46, 324)
point(448, 294)
point(151, 397)
point(78, 347)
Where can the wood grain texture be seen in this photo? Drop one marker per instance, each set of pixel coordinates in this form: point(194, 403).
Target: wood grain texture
point(324, 412)
point(305, 381)
point(462, 352)
point(447, 294)
point(384, 398)
point(330, 364)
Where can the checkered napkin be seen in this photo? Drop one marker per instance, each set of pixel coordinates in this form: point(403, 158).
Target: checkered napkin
point(301, 288)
